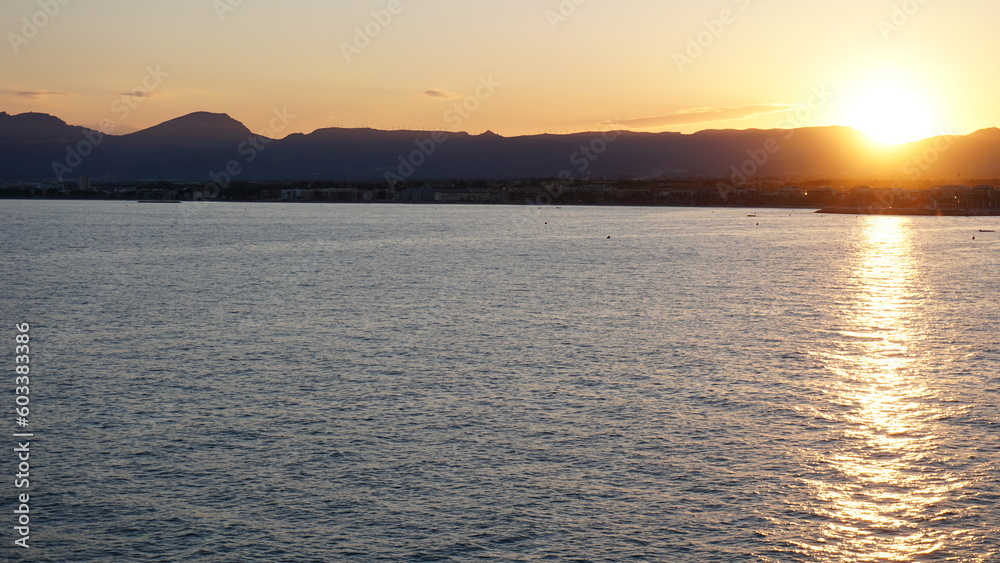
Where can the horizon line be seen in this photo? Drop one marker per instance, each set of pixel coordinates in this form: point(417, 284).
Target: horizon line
point(556, 133)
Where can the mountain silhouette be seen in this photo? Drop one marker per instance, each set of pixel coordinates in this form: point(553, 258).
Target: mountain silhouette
point(200, 128)
point(191, 147)
point(206, 146)
point(35, 128)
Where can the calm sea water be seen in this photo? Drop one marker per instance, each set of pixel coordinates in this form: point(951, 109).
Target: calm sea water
point(241, 382)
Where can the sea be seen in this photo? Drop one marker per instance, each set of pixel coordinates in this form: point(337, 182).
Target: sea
point(272, 382)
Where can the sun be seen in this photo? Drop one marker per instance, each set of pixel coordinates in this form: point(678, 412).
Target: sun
point(891, 115)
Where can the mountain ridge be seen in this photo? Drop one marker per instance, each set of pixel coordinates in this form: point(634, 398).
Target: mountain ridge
point(210, 126)
point(193, 147)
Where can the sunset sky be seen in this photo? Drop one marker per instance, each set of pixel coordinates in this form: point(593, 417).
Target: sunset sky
point(898, 70)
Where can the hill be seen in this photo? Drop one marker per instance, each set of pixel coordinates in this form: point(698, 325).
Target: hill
point(205, 146)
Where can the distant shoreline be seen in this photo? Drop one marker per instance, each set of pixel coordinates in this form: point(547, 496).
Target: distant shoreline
point(874, 210)
point(981, 199)
point(853, 210)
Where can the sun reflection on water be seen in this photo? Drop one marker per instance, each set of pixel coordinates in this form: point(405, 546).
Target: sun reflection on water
point(879, 496)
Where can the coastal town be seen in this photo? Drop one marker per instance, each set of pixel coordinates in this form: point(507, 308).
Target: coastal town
point(981, 198)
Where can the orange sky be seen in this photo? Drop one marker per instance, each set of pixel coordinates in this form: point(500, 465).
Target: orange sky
point(896, 69)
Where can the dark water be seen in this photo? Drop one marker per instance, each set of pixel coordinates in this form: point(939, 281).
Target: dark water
point(232, 382)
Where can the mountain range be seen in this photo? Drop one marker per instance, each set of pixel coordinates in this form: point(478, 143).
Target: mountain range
point(215, 147)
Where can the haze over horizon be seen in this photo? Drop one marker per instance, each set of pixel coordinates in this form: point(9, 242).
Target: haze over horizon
point(206, 117)
point(897, 70)
point(509, 280)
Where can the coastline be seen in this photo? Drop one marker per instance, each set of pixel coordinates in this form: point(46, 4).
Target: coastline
point(905, 211)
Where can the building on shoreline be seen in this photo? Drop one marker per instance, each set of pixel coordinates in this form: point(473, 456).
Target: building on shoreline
point(929, 200)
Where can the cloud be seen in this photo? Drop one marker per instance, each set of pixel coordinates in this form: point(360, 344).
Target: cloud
point(141, 94)
point(703, 115)
point(441, 95)
point(34, 94)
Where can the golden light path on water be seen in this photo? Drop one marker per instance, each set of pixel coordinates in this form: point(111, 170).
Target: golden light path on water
point(879, 502)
